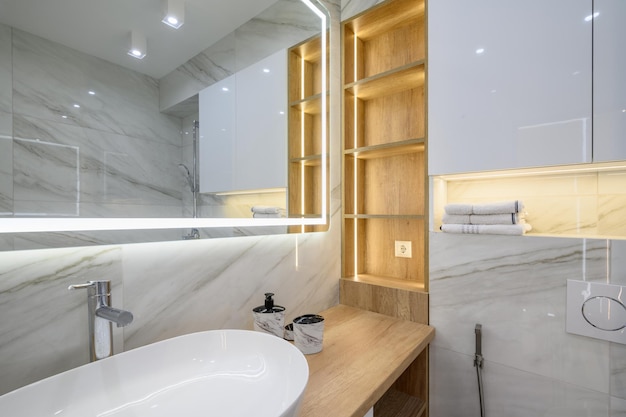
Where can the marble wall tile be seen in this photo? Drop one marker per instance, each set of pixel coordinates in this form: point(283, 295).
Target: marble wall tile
point(49, 79)
point(60, 163)
point(508, 391)
point(6, 123)
point(6, 176)
point(211, 65)
point(350, 8)
point(282, 25)
point(6, 76)
point(44, 327)
point(618, 370)
point(618, 266)
point(515, 287)
point(618, 407)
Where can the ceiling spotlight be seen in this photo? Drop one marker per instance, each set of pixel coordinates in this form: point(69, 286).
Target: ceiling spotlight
point(173, 13)
point(138, 45)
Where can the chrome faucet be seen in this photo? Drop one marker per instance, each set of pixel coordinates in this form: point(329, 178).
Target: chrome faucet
point(101, 315)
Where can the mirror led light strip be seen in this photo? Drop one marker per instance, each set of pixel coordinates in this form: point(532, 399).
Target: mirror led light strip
point(26, 225)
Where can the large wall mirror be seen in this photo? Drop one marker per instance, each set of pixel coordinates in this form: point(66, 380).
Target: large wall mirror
point(98, 146)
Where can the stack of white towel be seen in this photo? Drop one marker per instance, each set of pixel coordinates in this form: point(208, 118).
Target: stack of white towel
point(501, 218)
point(268, 212)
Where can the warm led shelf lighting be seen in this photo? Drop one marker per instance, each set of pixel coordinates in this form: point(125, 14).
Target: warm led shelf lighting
point(173, 13)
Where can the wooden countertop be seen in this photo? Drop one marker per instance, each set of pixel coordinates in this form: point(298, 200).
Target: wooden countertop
point(363, 354)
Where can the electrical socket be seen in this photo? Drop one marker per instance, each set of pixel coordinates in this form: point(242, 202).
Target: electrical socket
point(403, 249)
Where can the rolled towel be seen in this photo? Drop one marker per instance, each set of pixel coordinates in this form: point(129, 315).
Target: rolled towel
point(487, 229)
point(266, 209)
point(514, 206)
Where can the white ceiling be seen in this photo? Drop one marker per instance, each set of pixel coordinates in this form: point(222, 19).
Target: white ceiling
point(102, 27)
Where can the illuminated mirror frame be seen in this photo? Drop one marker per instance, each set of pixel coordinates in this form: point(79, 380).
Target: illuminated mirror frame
point(57, 224)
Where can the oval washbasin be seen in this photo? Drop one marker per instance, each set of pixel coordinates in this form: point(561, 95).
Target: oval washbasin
point(214, 373)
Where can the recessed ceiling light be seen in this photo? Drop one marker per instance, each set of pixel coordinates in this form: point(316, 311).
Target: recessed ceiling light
point(138, 45)
point(77, 106)
point(92, 93)
point(173, 13)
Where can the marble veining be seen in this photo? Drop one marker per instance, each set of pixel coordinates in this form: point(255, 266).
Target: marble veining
point(42, 322)
point(515, 287)
point(49, 79)
point(285, 23)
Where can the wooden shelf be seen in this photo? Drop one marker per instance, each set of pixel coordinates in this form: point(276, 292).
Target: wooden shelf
point(309, 160)
point(385, 281)
point(398, 404)
point(387, 149)
point(390, 82)
point(309, 105)
point(377, 20)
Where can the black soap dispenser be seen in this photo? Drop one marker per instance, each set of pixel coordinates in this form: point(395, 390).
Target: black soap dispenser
point(269, 318)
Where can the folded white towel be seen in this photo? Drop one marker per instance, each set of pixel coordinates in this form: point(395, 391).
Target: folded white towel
point(503, 207)
point(462, 209)
point(487, 229)
point(514, 206)
point(267, 215)
point(508, 218)
point(267, 209)
point(456, 218)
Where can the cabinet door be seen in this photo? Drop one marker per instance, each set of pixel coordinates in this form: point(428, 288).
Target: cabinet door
point(609, 80)
point(217, 153)
point(243, 129)
point(509, 84)
point(262, 124)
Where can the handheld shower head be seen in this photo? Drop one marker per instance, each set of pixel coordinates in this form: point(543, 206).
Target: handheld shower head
point(185, 171)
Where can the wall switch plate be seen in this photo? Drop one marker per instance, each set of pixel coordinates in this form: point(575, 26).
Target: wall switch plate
point(403, 249)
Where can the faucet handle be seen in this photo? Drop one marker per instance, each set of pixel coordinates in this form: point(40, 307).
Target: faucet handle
point(87, 285)
point(97, 288)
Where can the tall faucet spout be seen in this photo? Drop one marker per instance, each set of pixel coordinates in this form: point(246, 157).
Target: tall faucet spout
point(100, 317)
point(120, 317)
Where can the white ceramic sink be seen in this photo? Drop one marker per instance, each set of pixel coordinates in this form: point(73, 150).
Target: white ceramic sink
point(215, 373)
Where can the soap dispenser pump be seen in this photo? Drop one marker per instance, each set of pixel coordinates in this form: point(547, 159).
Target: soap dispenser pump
point(269, 318)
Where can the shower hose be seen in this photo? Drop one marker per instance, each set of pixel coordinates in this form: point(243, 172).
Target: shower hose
point(478, 364)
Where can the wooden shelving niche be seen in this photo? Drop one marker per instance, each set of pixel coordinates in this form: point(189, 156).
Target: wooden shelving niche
point(305, 133)
point(385, 182)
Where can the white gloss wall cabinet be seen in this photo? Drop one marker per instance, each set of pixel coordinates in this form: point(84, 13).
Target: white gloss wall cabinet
point(609, 80)
point(509, 84)
point(243, 129)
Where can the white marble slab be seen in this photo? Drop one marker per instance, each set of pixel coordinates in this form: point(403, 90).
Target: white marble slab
point(49, 79)
point(515, 287)
point(44, 327)
point(508, 391)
